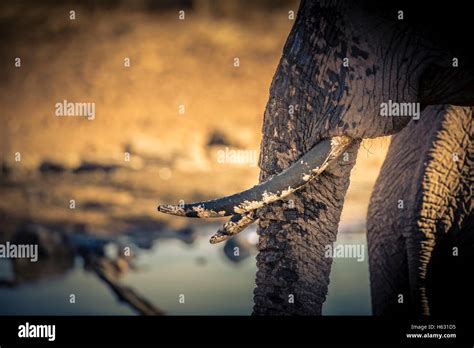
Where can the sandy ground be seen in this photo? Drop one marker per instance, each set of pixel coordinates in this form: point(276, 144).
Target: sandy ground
point(173, 156)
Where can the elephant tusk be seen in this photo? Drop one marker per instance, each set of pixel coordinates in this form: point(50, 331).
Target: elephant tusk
point(310, 165)
point(235, 225)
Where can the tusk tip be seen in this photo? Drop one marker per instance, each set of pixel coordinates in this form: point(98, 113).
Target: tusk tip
point(171, 209)
point(219, 237)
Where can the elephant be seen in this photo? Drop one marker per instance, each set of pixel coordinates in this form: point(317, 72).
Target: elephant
point(344, 67)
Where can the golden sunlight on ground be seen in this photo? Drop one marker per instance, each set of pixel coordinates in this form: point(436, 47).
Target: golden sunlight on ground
point(176, 110)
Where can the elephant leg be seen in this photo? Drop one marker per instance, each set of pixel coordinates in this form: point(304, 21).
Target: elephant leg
point(419, 215)
point(441, 249)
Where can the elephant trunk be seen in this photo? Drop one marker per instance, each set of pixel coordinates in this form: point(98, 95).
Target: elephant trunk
point(293, 268)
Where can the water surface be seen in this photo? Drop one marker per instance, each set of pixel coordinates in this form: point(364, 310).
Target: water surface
point(180, 278)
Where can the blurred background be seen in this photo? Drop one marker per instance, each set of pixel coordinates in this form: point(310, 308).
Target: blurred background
point(179, 100)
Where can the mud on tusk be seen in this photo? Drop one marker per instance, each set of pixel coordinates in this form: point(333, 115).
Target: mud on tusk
point(310, 165)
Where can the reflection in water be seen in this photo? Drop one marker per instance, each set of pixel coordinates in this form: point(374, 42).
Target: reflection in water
point(175, 272)
point(55, 257)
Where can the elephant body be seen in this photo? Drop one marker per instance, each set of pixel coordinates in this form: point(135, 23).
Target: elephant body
point(342, 61)
point(329, 99)
point(420, 223)
point(386, 61)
